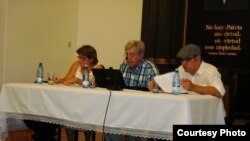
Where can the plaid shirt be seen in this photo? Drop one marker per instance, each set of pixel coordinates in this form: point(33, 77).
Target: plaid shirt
point(144, 73)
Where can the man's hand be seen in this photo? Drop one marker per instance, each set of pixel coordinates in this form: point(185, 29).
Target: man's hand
point(187, 84)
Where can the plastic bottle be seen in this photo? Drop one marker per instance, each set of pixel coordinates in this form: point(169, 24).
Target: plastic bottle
point(176, 83)
point(85, 79)
point(39, 74)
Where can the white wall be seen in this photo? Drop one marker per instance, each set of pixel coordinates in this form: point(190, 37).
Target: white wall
point(42, 30)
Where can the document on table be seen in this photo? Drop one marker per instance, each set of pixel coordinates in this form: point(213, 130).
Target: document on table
point(164, 81)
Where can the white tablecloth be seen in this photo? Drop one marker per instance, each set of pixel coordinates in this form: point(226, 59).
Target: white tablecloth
point(130, 112)
point(70, 106)
point(3, 128)
point(152, 115)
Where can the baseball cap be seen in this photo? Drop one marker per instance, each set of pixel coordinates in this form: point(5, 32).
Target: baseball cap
point(188, 51)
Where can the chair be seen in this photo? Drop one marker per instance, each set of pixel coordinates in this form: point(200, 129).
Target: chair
point(164, 65)
point(240, 99)
point(236, 100)
point(230, 84)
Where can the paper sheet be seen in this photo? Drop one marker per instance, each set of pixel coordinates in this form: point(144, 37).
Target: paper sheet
point(165, 82)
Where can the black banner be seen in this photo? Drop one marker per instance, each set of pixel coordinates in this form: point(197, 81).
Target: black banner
point(221, 28)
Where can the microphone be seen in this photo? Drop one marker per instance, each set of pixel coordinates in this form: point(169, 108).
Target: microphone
point(124, 61)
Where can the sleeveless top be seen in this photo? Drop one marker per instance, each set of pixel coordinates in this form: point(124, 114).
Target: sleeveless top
point(79, 73)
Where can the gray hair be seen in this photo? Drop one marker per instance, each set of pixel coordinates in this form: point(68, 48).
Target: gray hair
point(139, 45)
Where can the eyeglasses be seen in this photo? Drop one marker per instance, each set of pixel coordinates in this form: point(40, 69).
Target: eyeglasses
point(130, 55)
point(81, 57)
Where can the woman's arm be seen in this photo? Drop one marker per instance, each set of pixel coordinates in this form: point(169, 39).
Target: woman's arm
point(70, 76)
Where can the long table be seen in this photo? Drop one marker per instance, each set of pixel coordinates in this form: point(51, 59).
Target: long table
point(130, 112)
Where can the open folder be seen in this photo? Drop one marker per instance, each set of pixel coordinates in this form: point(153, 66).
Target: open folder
point(164, 81)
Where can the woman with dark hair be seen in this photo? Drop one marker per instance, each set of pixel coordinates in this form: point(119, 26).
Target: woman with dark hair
point(87, 55)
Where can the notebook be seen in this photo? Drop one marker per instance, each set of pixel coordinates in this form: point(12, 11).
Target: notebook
point(109, 78)
point(112, 79)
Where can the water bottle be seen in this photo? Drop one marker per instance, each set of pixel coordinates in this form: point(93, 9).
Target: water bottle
point(85, 79)
point(39, 74)
point(176, 83)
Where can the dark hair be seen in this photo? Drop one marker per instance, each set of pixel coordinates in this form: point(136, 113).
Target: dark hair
point(89, 52)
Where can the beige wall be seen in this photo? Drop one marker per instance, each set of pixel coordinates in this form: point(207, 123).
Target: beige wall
point(2, 39)
point(108, 25)
point(38, 31)
point(51, 31)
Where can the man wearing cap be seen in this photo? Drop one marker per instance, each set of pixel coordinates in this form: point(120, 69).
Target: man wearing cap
point(197, 75)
